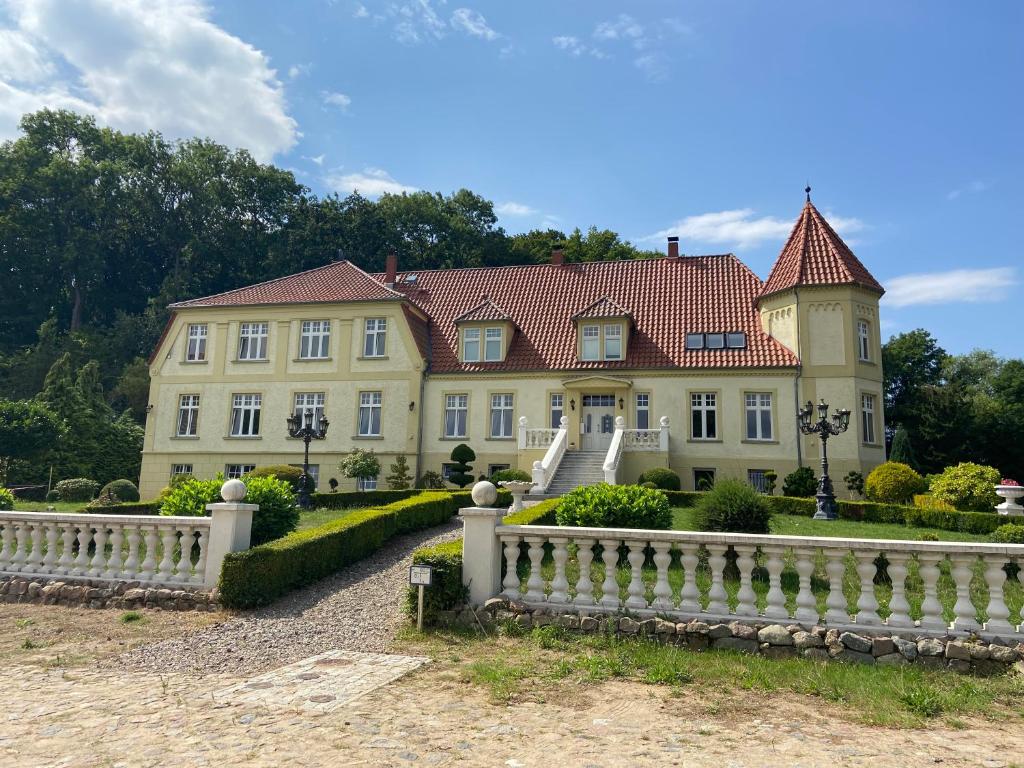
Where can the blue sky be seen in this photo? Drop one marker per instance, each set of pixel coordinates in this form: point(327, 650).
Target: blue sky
point(703, 119)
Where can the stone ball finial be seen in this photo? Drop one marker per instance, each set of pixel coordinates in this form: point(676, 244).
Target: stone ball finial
point(484, 494)
point(664, 421)
point(620, 422)
point(523, 422)
point(233, 491)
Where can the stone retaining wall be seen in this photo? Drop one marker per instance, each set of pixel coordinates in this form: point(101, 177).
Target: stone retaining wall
point(865, 646)
point(91, 593)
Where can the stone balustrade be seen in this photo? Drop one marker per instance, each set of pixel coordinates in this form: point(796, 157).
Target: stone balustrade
point(544, 469)
point(737, 576)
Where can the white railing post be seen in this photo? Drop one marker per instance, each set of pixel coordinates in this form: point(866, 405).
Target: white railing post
point(523, 424)
point(663, 435)
point(544, 470)
point(611, 460)
point(230, 528)
point(482, 552)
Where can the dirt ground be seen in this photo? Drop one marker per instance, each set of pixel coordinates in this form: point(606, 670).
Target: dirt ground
point(69, 704)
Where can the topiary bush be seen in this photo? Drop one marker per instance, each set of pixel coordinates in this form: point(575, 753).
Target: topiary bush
point(120, 491)
point(800, 482)
point(511, 475)
point(431, 481)
point(893, 483)
point(663, 478)
point(462, 470)
point(1008, 534)
point(277, 516)
point(733, 507)
point(77, 489)
point(288, 473)
point(6, 499)
point(968, 486)
point(615, 506)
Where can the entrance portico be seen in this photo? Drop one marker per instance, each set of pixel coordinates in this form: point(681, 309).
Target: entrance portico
point(594, 402)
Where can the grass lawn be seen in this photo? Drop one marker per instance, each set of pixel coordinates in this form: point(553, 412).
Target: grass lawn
point(314, 518)
point(41, 506)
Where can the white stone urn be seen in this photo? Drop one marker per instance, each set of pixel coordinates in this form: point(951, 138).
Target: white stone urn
point(1010, 493)
point(518, 489)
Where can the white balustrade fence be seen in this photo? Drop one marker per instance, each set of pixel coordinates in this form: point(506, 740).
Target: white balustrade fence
point(923, 586)
point(153, 550)
point(544, 469)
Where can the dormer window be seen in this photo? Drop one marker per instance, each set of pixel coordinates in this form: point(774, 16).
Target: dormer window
point(603, 331)
point(732, 340)
point(695, 341)
point(471, 345)
point(493, 344)
point(714, 340)
point(736, 340)
point(613, 342)
point(591, 343)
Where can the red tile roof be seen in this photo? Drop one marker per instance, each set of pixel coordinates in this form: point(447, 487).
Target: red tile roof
point(816, 255)
point(485, 310)
point(667, 297)
point(339, 281)
point(603, 307)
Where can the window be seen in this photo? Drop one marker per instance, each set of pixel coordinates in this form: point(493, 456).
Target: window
point(643, 410)
point(501, 415)
point(736, 340)
point(456, 407)
point(591, 342)
point(235, 471)
point(598, 401)
point(367, 483)
point(863, 340)
point(245, 415)
point(613, 342)
point(180, 469)
point(867, 411)
point(759, 415)
point(492, 344)
point(369, 413)
point(471, 345)
point(757, 480)
point(703, 413)
point(447, 470)
point(314, 474)
point(196, 351)
point(557, 411)
point(310, 401)
point(252, 341)
point(375, 337)
point(714, 340)
point(315, 341)
point(695, 341)
point(703, 479)
point(188, 415)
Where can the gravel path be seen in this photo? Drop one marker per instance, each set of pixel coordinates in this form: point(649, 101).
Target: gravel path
point(358, 609)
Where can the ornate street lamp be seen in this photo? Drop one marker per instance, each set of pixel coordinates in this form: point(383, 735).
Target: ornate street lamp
point(825, 429)
point(307, 428)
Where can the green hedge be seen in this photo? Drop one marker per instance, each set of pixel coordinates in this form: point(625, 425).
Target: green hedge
point(446, 592)
point(262, 574)
point(683, 498)
point(964, 522)
point(791, 505)
point(128, 508)
point(359, 498)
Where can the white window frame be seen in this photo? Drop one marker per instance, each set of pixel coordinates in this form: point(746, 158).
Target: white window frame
point(235, 471)
point(315, 340)
point(367, 483)
point(252, 340)
point(864, 341)
point(314, 473)
point(471, 337)
point(180, 469)
point(590, 343)
point(867, 420)
point(375, 337)
point(760, 404)
point(502, 415)
point(188, 416)
point(613, 333)
point(642, 403)
point(457, 405)
point(195, 349)
point(305, 401)
point(246, 409)
point(703, 403)
point(493, 344)
point(757, 480)
point(371, 404)
point(556, 405)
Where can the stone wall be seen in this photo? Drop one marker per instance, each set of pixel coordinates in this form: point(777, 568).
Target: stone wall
point(866, 645)
point(92, 593)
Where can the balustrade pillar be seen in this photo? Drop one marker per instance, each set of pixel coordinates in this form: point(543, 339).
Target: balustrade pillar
point(931, 608)
point(584, 586)
point(610, 587)
point(867, 605)
point(662, 588)
point(18, 560)
point(114, 568)
point(806, 604)
point(899, 607)
point(535, 584)
point(98, 562)
point(746, 597)
point(50, 560)
point(635, 590)
point(689, 596)
point(511, 581)
point(836, 611)
point(775, 607)
point(998, 611)
point(7, 545)
point(559, 583)
point(81, 565)
point(964, 611)
point(34, 559)
point(718, 598)
point(66, 562)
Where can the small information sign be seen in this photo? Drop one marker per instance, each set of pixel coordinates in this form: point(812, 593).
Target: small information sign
point(421, 575)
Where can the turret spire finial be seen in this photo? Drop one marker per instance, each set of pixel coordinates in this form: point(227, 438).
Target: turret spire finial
point(807, 189)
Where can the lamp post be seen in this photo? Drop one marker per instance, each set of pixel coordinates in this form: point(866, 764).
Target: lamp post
point(825, 429)
point(306, 427)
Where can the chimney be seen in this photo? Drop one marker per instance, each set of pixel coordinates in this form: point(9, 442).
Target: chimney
point(673, 247)
point(390, 269)
point(557, 257)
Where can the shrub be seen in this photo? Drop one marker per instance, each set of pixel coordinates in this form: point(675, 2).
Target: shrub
point(399, 479)
point(929, 536)
point(121, 490)
point(52, 495)
point(122, 508)
point(360, 465)
point(771, 479)
point(1009, 534)
point(277, 516)
point(431, 480)
point(6, 499)
point(663, 478)
point(77, 489)
point(683, 498)
point(615, 506)
point(735, 507)
point(462, 472)
point(348, 499)
point(648, 484)
point(901, 450)
point(288, 473)
point(800, 482)
point(927, 501)
point(893, 483)
point(189, 497)
point(964, 522)
point(968, 486)
point(511, 475)
point(854, 482)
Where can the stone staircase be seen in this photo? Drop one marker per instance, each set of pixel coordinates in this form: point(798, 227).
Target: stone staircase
point(577, 468)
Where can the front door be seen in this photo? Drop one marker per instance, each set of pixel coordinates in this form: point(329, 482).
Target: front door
point(597, 422)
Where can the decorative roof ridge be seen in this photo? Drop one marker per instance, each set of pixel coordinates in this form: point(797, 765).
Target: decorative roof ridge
point(484, 304)
point(620, 311)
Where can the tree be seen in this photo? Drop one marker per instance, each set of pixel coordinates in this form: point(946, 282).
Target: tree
point(854, 483)
point(399, 479)
point(901, 451)
point(800, 482)
point(27, 432)
point(360, 465)
point(461, 473)
point(910, 362)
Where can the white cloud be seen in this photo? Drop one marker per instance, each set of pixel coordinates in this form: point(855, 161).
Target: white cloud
point(416, 21)
point(296, 70)
point(372, 182)
point(514, 209)
point(957, 285)
point(360, 12)
point(472, 23)
point(143, 64)
point(971, 189)
point(653, 65)
point(335, 99)
point(740, 228)
point(623, 28)
point(576, 47)
point(317, 160)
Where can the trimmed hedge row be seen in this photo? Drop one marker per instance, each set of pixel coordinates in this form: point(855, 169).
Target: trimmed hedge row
point(127, 508)
point(351, 499)
point(447, 590)
point(262, 574)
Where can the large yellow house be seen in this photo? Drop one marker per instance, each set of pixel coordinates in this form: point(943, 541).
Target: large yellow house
point(573, 372)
